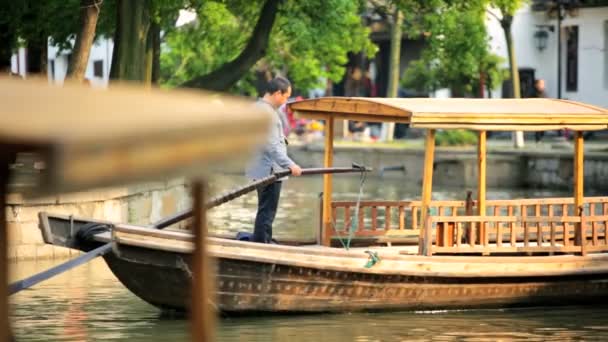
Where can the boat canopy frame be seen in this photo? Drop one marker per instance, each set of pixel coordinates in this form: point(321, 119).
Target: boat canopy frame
point(480, 115)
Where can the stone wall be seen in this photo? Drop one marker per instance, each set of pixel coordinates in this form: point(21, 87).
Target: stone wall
point(139, 204)
point(456, 167)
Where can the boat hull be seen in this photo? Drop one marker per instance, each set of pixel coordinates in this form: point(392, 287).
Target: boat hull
point(250, 277)
point(162, 279)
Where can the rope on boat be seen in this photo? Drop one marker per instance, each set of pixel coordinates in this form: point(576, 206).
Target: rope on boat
point(374, 258)
point(354, 222)
point(85, 235)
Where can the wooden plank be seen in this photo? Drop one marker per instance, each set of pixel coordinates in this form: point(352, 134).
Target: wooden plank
point(145, 143)
point(401, 217)
point(361, 220)
point(427, 179)
point(511, 226)
point(202, 323)
point(480, 126)
point(529, 219)
point(458, 234)
point(490, 249)
point(347, 218)
point(594, 234)
point(327, 180)
point(387, 217)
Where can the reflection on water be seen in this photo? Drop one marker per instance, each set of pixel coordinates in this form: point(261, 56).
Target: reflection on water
point(89, 304)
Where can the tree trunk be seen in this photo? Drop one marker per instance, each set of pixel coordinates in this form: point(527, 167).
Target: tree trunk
point(388, 129)
point(7, 43)
point(132, 25)
point(518, 137)
point(153, 55)
point(228, 74)
point(89, 12)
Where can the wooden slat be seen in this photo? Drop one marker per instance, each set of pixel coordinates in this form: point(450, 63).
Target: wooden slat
point(374, 218)
point(347, 218)
point(552, 226)
point(594, 234)
point(511, 226)
point(458, 234)
point(526, 234)
point(361, 219)
point(387, 217)
point(401, 217)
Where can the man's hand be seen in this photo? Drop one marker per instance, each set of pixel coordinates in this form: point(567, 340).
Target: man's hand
point(295, 170)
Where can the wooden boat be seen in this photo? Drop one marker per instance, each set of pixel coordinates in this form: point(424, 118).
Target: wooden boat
point(485, 253)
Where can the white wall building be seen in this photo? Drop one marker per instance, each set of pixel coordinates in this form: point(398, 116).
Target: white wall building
point(584, 50)
point(98, 68)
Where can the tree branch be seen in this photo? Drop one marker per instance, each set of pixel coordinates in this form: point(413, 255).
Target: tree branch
point(493, 14)
point(229, 73)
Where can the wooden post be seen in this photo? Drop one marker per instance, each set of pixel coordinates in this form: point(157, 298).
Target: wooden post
point(5, 334)
point(578, 184)
point(202, 314)
point(427, 184)
point(327, 180)
point(481, 184)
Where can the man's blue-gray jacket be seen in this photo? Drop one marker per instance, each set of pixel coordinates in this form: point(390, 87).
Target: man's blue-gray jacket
point(273, 155)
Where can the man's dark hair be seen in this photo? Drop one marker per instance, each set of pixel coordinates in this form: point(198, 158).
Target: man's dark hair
point(278, 84)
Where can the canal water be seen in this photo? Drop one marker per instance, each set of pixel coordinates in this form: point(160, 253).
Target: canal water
point(89, 304)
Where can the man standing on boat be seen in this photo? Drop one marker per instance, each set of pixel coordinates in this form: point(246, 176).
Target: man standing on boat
point(272, 157)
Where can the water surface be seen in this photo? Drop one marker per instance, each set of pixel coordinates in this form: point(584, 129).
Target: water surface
point(89, 304)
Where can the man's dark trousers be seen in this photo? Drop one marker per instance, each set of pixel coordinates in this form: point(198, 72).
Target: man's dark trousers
point(268, 201)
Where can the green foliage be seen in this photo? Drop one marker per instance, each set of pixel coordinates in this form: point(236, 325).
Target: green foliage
point(457, 53)
point(309, 41)
point(199, 47)
point(455, 137)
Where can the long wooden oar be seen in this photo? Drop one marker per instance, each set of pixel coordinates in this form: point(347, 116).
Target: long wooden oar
point(223, 198)
point(102, 250)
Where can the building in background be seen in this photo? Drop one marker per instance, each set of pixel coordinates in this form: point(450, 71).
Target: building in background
point(98, 69)
point(583, 51)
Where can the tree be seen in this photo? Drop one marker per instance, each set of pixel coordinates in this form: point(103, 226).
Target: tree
point(507, 10)
point(456, 55)
point(307, 40)
point(89, 12)
point(130, 39)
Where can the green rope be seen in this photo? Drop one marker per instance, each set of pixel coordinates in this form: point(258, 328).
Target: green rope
point(354, 223)
point(373, 259)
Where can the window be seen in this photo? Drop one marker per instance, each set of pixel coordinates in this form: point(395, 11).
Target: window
point(98, 68)
point(572, 58)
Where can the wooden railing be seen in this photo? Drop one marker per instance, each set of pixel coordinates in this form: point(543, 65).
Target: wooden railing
point(380, 218)
point(509, 234)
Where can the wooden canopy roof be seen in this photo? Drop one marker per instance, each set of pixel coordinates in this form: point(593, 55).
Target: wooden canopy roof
point(100, 137)
point(476, 114)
